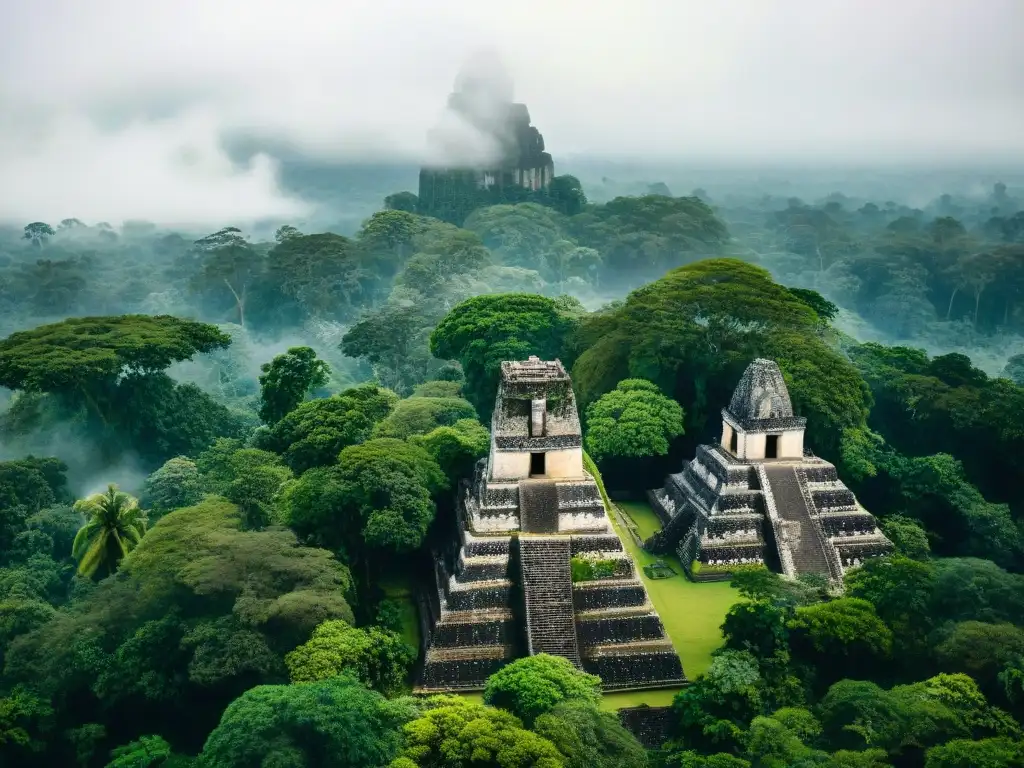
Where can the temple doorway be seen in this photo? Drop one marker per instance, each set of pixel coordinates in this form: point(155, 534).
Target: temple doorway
point(537, 464)
point(771, 447)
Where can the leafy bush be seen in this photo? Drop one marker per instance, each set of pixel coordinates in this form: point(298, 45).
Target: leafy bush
point(588, 569)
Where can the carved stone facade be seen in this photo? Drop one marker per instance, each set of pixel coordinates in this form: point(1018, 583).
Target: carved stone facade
point(760, 497)
point(504, 589)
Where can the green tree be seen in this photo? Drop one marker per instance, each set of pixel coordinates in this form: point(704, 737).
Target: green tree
point(85, 740)
point(967, 588)
point(114, 526)
point(394, 340)
point(200, 611)
point(438, 388)
point(38, 233)
point(112, 369)
point(633, 420)
point(758, 583)
point(714, 711)
point(335, 723)
point(979, 649)
point(987, 753)
point(642, 237)
point(839, 635)
point(567, 194)
point(457, 448)
point(388, 237)
point(86, 355)
point(531, 686)
point(759, 627)
point(589, 738)
point(55, 286)
point(867, 758)
point(402, 201)
point(175, 484)
point(907, 535)
point(484, 331)
point(520, 234)
point(228, 267)
point(825, 309)
point(256, 487)
point(420, 415)
point(770, 743)
point(321, 275)
point(287, 379)
point(455, 733)
point(900, 589)
point(692, 333)
point(379, 658)
point(858, 714)
point(690, 759)
point(24, 718)
point(145, 752)
point(378, 499)
point(313, 434)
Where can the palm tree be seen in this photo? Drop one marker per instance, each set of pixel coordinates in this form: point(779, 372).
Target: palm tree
point(114, 525)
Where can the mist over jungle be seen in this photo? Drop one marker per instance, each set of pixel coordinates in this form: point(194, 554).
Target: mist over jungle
point(261, 265)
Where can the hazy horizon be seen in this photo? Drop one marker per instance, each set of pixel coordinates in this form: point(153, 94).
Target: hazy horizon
point(114, 110)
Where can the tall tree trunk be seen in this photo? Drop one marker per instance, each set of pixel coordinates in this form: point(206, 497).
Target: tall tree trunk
point(239, 301)
point(949, 310)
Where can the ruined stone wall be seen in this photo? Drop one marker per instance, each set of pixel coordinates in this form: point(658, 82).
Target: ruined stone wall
point(592, 595)
point(478, 598)
point(458, 674)
point(652, 726)
point(640, 669)
point(470, 633)
point(619, 629)
point(569, 522)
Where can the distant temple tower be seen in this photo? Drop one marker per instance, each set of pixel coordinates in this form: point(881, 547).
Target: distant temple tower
point(760, 497)
point(498, 130)
point(505, 587)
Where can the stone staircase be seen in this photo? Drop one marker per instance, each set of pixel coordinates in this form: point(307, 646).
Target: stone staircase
point(547, 589)
point(804, 542)
point(538, 506)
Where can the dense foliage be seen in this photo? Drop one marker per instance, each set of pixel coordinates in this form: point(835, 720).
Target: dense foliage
point(218, 499)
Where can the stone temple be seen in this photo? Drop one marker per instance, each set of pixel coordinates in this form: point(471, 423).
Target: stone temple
point(760, 497)
point(486, 148)
point(505, 589)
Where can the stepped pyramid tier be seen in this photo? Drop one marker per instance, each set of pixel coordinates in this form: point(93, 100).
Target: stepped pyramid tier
point(759, 496)
point(504, 588)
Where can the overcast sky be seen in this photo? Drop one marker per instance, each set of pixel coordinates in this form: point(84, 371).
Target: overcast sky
point(113, 109)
